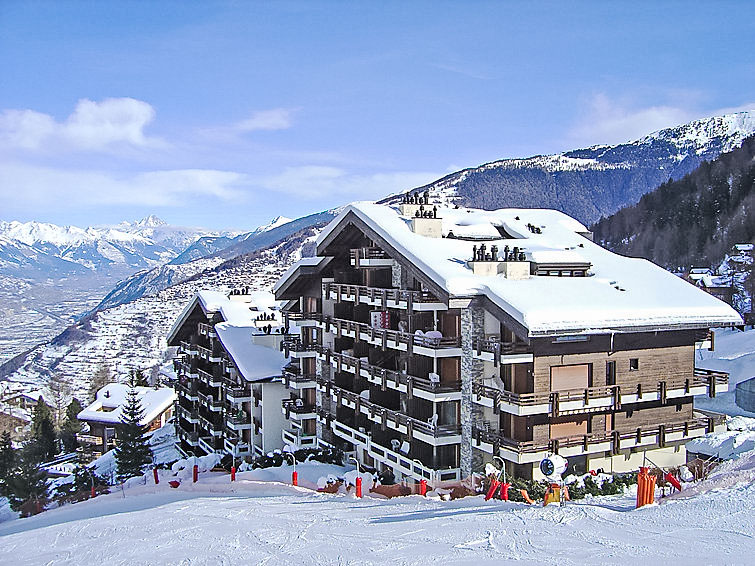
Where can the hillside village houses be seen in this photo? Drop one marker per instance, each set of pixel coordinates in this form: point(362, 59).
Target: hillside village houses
point(427, 339)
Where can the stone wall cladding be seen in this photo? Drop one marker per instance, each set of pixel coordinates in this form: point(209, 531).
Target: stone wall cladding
point(472, 326)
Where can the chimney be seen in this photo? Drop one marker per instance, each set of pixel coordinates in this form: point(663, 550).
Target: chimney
point(486, 262)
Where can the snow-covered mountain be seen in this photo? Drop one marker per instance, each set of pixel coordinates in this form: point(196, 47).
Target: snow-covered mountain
point(596, 181)
point(132, 334)
point(38, 249)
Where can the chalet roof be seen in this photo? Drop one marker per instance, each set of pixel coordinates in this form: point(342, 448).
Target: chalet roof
point(254, 352)
point(620, 293)
point(110, 400)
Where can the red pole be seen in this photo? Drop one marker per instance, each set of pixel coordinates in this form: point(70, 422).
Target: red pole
point(505, 491)
point(154, 473)
point(93, 493)
point(195, 473)
point(423, 487)
point(294, 478)
point(359, 487)
point(233, 473)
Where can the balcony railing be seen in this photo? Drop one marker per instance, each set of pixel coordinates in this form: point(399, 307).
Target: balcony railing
point(387, 377)
point(212, 403)
point(612, 441)
point(298, 439)
point(371, 255)
point(575, 400)
point(297, 378)
point(188, 389)
point(239, 420)
point(239, 394)
point(392, 419)
point(401, 462)
point(205, 329)
point(394, 298)
point(189, 348)
point(382, 336)
point(189, 416)
point(496, 348)
point(208, 354)
point(298, 408)
point(188, 369)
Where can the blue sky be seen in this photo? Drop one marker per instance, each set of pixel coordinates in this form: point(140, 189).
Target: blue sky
point(225, 114)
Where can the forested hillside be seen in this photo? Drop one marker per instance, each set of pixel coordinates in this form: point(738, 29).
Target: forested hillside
point(693, 221)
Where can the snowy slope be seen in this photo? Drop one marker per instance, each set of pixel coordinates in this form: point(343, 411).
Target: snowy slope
point(596, 181)
point(251, 522)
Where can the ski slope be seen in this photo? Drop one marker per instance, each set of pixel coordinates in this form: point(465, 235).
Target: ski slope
point(255, 522)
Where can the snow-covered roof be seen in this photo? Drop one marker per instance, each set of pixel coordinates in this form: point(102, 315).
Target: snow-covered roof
point(620, 293)
point(254, 361)
point(237, 309)
point(108, 405)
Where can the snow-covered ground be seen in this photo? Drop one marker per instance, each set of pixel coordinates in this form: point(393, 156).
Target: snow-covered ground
point(253, 522)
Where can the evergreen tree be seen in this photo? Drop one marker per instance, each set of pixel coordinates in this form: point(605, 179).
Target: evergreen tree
point(7, 459)
point(26, 487)
point(137, 378)
point(132, 452)
point(71, 426)
point(43, 431)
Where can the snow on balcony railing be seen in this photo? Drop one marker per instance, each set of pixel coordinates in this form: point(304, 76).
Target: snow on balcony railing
point(383, 336)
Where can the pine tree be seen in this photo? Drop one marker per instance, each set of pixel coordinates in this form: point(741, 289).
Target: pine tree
point(7, 459)
point(132, 452)
point(43, 431)
point(26, 487)
point(71, 426)
point(137, 378)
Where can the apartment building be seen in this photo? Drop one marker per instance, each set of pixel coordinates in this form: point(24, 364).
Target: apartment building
point(439, 337)
point(228, 374)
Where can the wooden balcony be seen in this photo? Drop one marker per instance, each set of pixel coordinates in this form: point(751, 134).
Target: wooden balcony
point(187, 415)
point(205, 329)
point(238, 395)
point(188, 348)
point(401, 462)
point(212, 403)
point(426, 431)
point(369, 257)
point(210, 355)
point(235, 446)
point(298, 410)
point(210, 379)
point(410, 384)
point(239, 420)
point(382, 298)
point(493, 350)
point(298, 439)
point(446, 346)
point(296, 380)
point(589, 399)
point(187, 389)
point(592, 443)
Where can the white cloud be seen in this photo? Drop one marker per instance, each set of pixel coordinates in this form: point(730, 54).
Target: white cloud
point(314, 182)
point(274, 119)
point(39, 186)
point(608, 121)
point(93, 126)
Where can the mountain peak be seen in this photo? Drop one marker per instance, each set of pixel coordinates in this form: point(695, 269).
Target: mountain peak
point(150, 221)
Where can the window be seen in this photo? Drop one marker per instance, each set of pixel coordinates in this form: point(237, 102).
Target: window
point(634, 364)
point(610, 373)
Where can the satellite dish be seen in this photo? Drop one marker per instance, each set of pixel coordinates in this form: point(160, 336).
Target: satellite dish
point(553, 466)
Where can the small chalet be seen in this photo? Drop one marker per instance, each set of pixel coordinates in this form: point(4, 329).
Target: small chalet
point(105, 412)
